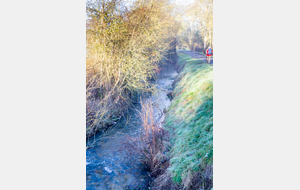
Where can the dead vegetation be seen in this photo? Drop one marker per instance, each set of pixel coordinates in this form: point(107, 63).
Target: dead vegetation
point(124, 45)
point(151, 144)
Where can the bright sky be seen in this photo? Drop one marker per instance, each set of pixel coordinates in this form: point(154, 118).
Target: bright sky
point(183, 2)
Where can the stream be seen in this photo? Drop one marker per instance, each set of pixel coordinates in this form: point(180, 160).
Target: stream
point(108, 165)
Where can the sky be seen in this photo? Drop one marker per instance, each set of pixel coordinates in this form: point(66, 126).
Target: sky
point(183, 2)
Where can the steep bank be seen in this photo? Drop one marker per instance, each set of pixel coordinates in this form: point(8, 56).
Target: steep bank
point(189, 120)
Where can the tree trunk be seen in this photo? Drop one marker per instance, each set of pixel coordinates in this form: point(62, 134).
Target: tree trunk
point(204, 42)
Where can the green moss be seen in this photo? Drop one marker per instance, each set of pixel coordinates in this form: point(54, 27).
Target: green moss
point(190, 118)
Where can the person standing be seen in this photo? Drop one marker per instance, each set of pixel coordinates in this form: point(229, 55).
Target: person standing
point(209, 53)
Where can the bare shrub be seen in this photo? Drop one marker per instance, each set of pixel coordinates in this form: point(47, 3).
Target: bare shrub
point(124, 44)
point(150, 144)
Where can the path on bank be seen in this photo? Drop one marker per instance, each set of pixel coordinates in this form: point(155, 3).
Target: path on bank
point(196, 55)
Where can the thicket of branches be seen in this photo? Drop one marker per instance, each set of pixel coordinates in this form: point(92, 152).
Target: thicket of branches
point(124, 45)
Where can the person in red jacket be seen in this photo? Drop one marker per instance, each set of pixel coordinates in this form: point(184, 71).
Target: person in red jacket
point(209, 53)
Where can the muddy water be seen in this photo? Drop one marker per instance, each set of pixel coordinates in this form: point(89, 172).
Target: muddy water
point(108, 165)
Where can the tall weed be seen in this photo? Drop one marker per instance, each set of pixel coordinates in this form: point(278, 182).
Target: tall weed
point(151, 143)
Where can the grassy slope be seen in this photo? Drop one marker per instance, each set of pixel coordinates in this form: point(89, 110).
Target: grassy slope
point(190, 118)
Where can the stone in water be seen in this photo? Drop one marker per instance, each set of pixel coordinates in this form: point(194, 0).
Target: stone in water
point(107, 169)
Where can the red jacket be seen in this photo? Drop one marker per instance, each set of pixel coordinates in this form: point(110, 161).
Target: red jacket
point(207, 52)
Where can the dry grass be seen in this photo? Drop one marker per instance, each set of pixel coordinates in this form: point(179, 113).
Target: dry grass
point(198, 180)
point(151, 142)
point(164, 182)
point(152, 138)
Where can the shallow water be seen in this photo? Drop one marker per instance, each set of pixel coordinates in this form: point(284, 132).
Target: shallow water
point(108, 165)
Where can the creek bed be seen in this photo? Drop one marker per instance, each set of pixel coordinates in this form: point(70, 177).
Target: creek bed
point(108, 164)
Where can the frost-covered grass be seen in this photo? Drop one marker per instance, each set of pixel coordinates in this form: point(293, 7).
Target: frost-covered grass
point(183, 58)
point(190, 119)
